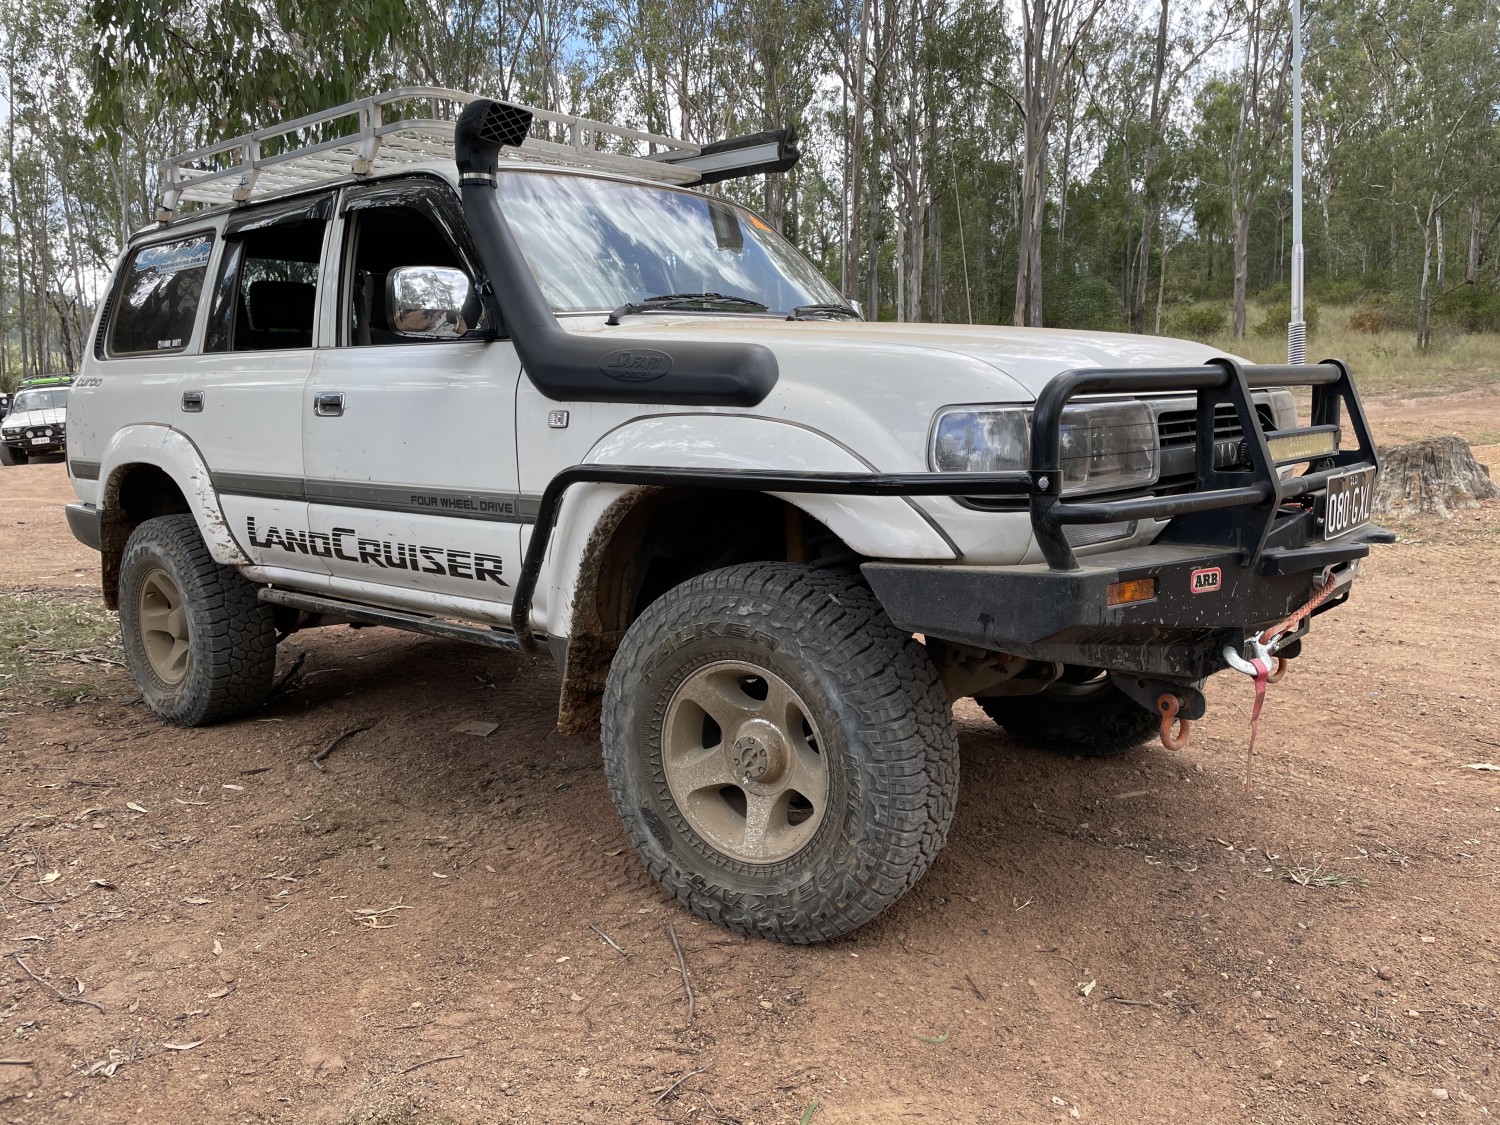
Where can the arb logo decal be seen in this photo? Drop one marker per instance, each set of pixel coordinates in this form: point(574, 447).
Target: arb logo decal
point(639, 365)
point(1206, 581)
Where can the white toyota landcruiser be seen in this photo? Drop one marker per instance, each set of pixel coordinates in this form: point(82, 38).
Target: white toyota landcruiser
point(497, 383)
point(37, 421)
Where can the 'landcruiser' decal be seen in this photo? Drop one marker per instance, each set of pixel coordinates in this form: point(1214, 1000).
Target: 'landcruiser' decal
point(386, 555)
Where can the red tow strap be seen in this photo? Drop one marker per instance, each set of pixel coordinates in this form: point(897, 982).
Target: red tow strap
point(1264, 667)
point(1262, 677)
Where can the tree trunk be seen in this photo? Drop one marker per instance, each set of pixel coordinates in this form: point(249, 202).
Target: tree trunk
point(1424, 292)
point(1437, 475)
point(1148, 202)
point(1241, 265)
point(854, 173)
point(1471, 266)
point(1442, 255)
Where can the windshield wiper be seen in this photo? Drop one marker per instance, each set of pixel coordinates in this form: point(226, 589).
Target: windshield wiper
point(821, 312)
point(689, 302)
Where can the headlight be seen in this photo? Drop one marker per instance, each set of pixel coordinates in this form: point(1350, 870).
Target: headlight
point(1104, 446)
point(1283, 409)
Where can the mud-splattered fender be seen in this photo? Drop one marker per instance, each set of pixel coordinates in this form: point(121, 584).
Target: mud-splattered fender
point(174, 454)
point(880, 527)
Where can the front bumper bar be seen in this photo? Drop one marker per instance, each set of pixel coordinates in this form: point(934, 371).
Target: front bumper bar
point(1064, 616)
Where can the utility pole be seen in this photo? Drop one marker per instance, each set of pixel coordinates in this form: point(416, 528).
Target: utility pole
point(1296, 330)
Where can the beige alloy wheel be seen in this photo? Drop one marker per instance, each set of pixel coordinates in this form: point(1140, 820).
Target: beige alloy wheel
point(164, 627)
point(742, 758)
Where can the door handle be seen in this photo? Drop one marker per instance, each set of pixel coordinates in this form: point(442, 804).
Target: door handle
point(192, 401)
point(328, 404)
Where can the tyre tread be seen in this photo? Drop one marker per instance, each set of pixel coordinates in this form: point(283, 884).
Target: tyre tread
point(236, 663)
point(891, 704)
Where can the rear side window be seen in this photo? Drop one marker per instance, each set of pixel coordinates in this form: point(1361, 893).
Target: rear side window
point(158, 296)
point(267, 290)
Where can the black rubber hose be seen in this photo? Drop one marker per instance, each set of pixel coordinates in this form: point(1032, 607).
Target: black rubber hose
point(569, 367)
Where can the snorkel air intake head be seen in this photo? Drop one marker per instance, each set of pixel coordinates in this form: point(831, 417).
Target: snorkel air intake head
point(484, 128)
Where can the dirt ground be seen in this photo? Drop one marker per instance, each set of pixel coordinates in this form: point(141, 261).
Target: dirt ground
point(223, 933)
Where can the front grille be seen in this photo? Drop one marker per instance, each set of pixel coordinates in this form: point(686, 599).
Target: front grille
point(1177, 428)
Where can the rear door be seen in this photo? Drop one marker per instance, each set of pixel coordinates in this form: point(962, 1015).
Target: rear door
point(240, 401)
point(409, 440)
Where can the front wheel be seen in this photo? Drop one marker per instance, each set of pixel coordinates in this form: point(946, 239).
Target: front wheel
point(200, 644)
point(1081, 713)
point(9, 456)
point(781, 755)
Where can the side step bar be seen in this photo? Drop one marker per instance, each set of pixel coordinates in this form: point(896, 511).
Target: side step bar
point(392, 618)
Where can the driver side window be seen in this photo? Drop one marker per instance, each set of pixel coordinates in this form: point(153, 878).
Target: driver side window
point(405, 282)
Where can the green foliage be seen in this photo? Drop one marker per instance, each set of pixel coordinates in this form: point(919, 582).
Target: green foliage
point(925, 131)
point(1469, 309)
point(1279, 315)
point(1378, 312)
point(1082, 302)
point(1199, 322)
point(1345, 290)
point(246, 63)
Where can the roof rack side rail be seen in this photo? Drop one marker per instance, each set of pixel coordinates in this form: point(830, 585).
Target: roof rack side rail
point(385, 136)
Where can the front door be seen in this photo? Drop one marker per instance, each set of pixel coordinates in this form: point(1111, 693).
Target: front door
point(240, 401)
point(409, 421)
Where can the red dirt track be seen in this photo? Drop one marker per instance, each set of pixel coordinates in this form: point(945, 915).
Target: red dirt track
point(1099, 941)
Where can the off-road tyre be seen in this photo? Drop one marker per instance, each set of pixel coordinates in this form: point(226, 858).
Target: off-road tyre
point(9, 456)
point(884, 724)
point(231, 635)
point(1102, 723)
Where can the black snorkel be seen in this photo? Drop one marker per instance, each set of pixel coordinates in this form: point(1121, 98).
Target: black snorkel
point(591, 368)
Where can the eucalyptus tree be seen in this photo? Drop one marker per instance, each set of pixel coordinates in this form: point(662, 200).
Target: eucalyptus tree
point(1051, 33)
point(1263, 88)
point(1435, 68)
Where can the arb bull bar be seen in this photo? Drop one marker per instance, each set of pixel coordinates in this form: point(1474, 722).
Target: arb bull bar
point(1260, 532)
point(1234, 507)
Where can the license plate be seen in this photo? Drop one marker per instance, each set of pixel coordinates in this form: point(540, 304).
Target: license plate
point(41, 441)
point(1350, 499)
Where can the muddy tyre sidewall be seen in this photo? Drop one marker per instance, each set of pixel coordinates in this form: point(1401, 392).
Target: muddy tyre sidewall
point(885, 736)
point(232, 635)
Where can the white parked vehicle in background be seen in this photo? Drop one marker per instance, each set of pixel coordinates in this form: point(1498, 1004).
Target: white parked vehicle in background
point(488, 384)
point(36, 422)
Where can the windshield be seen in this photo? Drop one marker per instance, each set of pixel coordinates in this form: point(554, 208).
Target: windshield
point(47, 399)
point(600, 244)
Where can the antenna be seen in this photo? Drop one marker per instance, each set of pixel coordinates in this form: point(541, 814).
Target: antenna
point(1296, 329)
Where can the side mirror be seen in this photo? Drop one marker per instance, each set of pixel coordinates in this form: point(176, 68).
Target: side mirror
point(427, 302)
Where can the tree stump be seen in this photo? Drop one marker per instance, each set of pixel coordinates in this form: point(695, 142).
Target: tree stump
point(1433, 475)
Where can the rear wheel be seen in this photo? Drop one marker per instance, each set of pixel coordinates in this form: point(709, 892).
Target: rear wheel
point(781, 755)
point(199, 643)
point(9, 456)
point(1081, 713)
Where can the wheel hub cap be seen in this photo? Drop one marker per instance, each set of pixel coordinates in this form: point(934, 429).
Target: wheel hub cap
point(164, 627)
point(743, 762)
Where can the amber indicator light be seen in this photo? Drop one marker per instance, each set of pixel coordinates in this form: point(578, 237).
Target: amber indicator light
point(1135, 590)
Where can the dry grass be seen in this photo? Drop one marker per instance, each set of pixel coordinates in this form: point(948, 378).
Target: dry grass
point(1385, 363)
point(1314, 874)
point(54, 645)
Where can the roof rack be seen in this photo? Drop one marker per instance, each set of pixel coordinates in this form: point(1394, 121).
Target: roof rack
point(321, 148)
